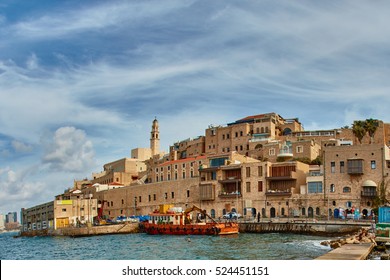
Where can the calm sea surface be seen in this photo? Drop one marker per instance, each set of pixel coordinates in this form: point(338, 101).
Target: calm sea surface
point(141, 246)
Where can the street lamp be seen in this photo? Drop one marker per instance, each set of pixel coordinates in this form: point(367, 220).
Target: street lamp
point(90, 211)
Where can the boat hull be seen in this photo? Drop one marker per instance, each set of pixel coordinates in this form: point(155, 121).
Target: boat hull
point(191, 229)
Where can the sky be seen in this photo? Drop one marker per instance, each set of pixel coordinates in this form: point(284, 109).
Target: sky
point(82, 81)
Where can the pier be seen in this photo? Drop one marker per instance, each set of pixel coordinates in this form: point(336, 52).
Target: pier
point(349, 252)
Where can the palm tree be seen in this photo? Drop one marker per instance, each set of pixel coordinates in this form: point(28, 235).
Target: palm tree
point(371, 125)
point(358, 129)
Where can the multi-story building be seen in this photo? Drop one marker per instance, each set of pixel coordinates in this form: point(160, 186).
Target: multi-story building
point(354, 176)
point(68, 209)
point(248, 134)
point(190, 147)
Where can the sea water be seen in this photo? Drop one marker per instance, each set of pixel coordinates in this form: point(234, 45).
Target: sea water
point(141, 246)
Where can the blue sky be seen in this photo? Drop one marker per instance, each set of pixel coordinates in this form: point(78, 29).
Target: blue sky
point(81, 81)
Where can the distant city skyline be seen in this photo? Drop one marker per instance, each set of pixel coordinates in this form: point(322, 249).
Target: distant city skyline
point(82, 81)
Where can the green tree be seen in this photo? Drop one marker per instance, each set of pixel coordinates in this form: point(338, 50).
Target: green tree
point(358, 129)
point(381, 196)
point(370, 126)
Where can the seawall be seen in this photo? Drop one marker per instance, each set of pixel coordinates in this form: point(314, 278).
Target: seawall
point(86, 231)
point(312, 228)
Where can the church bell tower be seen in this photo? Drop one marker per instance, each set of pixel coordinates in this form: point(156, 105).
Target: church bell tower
point(154, 138)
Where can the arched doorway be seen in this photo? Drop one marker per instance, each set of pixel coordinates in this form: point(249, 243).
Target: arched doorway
point(365, 213)
point(310, 212)
point(272, 212)
point(254, 212)
point(336, 213)
point(303, 211)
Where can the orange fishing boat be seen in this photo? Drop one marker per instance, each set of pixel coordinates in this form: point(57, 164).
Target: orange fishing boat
point(181, 223)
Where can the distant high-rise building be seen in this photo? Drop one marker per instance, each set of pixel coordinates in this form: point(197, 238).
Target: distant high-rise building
point(1, 221)
point(11, 217)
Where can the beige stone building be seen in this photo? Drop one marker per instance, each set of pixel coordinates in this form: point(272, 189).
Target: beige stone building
point(123, 171)
point(69, 209)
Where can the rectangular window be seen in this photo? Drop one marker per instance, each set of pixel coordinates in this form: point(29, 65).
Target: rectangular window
point(173, 194)
point(299, 149)
point(373, 164)
point(271, 152)
point(260, 171)
point(260, 186)
point(150, 198)
point(166, 196)
point(332, 167)
point(248, 172)
point(355, 166)
point(139, 199)
point(154, 197)
point(342, 167)
point(248, 187)
point(188, 193)
point(314, 187)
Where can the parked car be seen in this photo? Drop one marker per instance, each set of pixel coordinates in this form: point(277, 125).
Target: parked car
point(232, 215)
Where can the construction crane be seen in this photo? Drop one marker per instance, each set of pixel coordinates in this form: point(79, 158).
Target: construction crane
point(196, 208)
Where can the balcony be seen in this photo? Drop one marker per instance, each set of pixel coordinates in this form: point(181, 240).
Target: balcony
point(228, 180)
point(278, 193)
point(369, 194)
point(292, 175)
point(229, 194)
point(207, 192)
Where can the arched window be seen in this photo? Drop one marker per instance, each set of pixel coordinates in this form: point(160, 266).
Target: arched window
point(212, 213)
point(332, 188)
point(303, 212)
point(287, 131)
point(259, 146)
point(346, 190)
point(272, 212)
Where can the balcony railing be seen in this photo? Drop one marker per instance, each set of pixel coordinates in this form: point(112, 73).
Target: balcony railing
point(368, 193)
point(288, 176)
point(229, 194)
point(230, 180)
point(278, 193)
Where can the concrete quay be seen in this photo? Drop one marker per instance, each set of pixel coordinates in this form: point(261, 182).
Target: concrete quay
point(327, 228)
point(124, 228)
point(349, 252)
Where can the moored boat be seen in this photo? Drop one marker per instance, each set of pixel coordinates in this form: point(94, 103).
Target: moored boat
point(177, 222)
